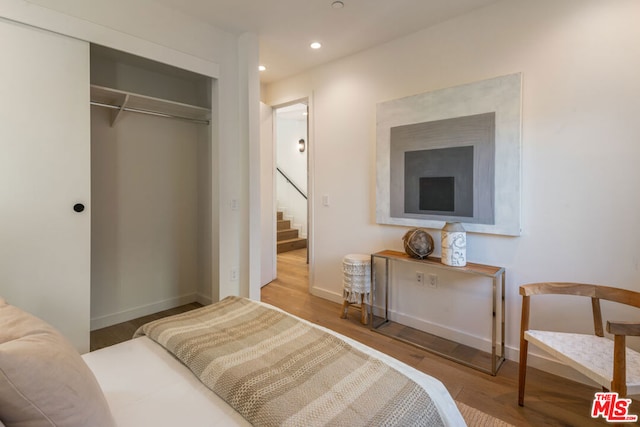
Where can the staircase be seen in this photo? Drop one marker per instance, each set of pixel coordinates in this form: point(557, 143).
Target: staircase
point(288, 239)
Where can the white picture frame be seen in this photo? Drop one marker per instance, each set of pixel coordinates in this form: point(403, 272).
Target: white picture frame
point(500, 95)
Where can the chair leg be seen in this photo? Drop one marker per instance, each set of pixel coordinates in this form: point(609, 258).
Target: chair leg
point(522, 370)
point(524, 346)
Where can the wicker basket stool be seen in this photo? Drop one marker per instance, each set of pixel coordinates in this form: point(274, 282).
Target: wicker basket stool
point(357, 284)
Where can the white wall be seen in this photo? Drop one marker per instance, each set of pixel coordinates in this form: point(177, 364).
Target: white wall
point(249, 256)
point(145, 20)
point(146, 205)
point(268, 259)
point(580, 60)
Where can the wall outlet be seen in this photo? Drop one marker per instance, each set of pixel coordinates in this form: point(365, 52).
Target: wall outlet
point(433, 280)
point(234, 274)
point(420, 278)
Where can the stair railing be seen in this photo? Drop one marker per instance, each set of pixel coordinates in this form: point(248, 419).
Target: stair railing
point(291, 182)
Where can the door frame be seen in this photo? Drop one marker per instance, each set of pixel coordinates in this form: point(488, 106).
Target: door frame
point(310, 147)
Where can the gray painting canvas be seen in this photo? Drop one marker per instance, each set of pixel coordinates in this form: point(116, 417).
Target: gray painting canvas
point(457, 151)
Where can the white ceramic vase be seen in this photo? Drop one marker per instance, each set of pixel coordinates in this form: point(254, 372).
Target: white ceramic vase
point(454, 245)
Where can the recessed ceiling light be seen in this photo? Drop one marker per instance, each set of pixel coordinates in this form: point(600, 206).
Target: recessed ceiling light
point(315, 45)
point(261, 67)
point(337, 5)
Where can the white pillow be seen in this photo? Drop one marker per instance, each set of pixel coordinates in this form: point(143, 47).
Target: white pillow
point(43, 379)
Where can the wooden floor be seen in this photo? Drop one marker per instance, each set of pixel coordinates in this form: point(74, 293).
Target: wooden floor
point(124, 331)
point(549, 400)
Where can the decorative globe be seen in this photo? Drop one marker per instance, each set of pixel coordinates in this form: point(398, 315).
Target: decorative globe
point(418, 243)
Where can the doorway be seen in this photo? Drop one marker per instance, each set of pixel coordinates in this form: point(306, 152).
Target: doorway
point(291, 143)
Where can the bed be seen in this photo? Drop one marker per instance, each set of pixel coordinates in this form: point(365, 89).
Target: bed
point(145, 381)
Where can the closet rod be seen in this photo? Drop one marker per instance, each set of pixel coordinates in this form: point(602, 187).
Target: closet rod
point(151, 113)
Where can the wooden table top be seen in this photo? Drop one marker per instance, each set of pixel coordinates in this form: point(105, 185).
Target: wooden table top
point(471, 268)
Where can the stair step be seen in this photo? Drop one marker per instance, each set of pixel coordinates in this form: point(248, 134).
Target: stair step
point(284, 224)
point(286, 234)
point(280, 215)
point(291, 244)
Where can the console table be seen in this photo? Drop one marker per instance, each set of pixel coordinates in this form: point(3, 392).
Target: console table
point(497, 274)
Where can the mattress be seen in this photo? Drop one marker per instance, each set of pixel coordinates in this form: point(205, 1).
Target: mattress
point(145, 385)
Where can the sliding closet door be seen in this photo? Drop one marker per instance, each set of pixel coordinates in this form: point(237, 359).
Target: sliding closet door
point(44, 175)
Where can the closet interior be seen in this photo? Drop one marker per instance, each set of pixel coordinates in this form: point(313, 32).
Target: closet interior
point(150, 187)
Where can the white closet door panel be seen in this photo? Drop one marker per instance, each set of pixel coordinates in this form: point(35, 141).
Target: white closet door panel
point(44, 171)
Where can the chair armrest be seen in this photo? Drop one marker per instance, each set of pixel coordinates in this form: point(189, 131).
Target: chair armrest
point(623, 328)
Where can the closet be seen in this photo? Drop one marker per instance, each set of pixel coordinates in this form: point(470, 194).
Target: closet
point(105, 210)
point(150, 187)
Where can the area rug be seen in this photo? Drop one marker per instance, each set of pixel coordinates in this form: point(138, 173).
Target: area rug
point(476, 418)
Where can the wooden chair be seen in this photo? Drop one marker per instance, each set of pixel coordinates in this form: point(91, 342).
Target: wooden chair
point(601, 359)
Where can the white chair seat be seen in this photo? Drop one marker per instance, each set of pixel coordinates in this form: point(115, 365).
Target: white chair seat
point(589, 354)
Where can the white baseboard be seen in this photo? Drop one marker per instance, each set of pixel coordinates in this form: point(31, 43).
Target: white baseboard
point(552, 366)
point(323, 293)
point(203, 299)
point(143, 310)
point(462, 337)
point(541, 362)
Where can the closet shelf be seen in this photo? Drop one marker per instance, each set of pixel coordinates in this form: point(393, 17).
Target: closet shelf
point(120, 101)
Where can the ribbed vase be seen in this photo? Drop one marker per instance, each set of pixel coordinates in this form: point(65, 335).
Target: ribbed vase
point(454, 245)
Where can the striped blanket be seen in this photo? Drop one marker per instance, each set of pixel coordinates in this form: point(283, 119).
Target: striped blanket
point(276, 370)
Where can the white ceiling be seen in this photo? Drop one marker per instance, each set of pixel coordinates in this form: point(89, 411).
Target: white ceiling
point(286, 27)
